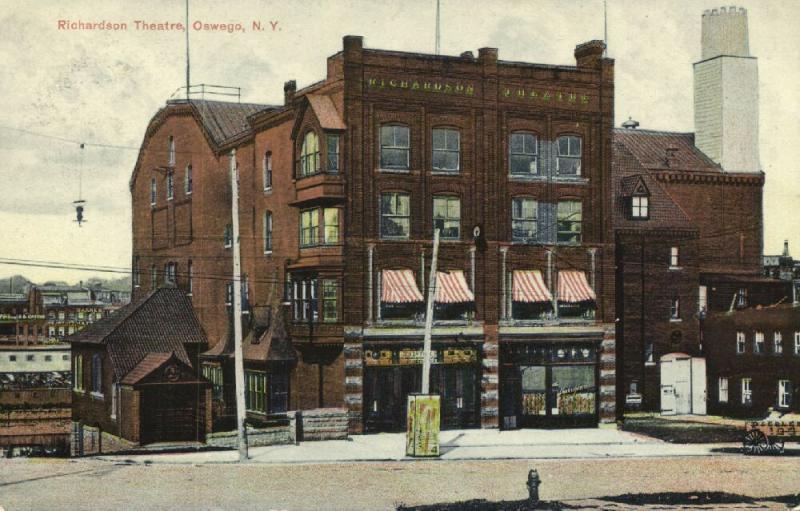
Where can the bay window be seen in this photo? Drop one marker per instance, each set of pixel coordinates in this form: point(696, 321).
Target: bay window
point(332, 142)
point(309, 155)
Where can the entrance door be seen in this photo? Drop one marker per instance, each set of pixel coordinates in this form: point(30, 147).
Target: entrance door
point(169, 413)
point(676, 384)
point(385, 392)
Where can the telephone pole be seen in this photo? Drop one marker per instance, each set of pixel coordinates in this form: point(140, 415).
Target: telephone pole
point(238, 361)
point(426, 353)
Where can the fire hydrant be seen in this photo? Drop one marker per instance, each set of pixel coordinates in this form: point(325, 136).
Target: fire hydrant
point(533, 487)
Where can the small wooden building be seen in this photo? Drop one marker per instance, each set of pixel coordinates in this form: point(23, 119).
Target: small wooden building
point(135, 377)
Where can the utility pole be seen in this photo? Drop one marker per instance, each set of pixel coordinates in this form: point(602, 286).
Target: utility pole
point(426, 353)
point(238, 361)
point(187, 50)
point(438, 33)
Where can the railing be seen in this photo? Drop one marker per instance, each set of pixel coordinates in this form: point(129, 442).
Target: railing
point(199, 91)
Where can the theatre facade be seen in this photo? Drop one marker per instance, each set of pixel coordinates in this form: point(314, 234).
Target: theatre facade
point(341, 189)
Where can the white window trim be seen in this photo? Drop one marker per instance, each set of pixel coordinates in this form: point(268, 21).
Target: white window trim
point(748, 392)
point(741, 343)
point(797, 343)
point(675, 254)
point(782, 394)
point(722, 397)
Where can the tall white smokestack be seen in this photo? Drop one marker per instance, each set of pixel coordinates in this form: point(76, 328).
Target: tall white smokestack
point(726, 92)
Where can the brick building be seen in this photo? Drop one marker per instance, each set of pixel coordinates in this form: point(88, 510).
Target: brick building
point(340, 191)
point(135, 376)
point(688, 215)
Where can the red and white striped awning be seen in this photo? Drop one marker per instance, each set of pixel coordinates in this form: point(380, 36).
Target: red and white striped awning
point(452, 287)
point(573, 287)
point(529, 287)
point(399, 286)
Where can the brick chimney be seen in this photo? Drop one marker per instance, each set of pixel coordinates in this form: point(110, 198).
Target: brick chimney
point(589, 54)
point(289, 88)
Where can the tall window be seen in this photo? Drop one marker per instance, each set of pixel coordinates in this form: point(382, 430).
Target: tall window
point(395, 147)
point(675, 308)
point(188, 185)
point(568, 156)
point(255, 395)
point(523, 154)
point(171, 150)
point(170, 185)
point(569, 222)
point(747, 391)
point(267, 171)
point(77, 372)
point(136, 272)
point(702, 299)
point(722, 385)
point(777, 339)
point(229, 294)
point(189, 277)
point(153, 191)
point(267, 232)
point(171, 272)
point(395, 215)
point(640, 207)
point(674, 257)
point(330, 231)
point(330, 310)
point(309, 227)
point(523, 219)
point(758, 343)
point(740, 342)
point(446, 148)
point(304, 296)
point(447, 217)
point(97, 374)
point(332, 141)
point(153, 277)
point(797, 343)
point(784, 393)
point(214, 375)
point(649, 354)
point(741, 298)
point(227, 236)
point(309, 155)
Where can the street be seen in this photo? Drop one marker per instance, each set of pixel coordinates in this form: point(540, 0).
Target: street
point(772, 482)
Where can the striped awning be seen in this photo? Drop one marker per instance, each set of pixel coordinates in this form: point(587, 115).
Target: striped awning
point(573, 287)
point(399, 286)
point(529, 287)
point(452, 287)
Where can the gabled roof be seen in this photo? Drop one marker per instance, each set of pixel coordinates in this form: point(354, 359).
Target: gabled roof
point(149, 363)
point(665, 150)
point(222, 120)
point(161, 322)
point(634, 185)
point(270, 345)
point(326, 112)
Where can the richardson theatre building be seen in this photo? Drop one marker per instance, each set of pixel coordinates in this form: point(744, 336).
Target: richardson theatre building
point(341, 189)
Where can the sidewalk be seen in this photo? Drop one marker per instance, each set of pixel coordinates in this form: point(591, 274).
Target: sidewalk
point(473, 444)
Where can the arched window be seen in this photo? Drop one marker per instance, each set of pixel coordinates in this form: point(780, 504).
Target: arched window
point(267, 170)
point(568, 159)
point(523, 155)
point(97, 374)
point(395, 147)
point(309, 155)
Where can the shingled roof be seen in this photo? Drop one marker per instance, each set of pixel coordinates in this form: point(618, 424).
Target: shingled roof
point(161, 322)
point(665, 150)
point(223, 120)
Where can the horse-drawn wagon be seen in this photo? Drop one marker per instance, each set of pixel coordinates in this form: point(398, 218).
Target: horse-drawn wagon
point(767, 436)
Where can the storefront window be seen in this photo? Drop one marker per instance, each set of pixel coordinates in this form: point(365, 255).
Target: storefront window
point(534, 389)
point(574, 390)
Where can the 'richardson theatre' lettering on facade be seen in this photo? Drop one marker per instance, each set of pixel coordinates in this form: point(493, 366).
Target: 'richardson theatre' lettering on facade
point(451, 88)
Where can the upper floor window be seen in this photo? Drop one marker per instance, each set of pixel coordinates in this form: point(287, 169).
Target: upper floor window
point(136, 271)
point(395, 215)
point(267, 170)
point(395, 147)
point(188, 185)
point(153, 191)
point(77, 372)
point(189, 277)
point(568, 155)
point(330, 293)
point(446, 148)
point(229, 294)
point(171, 150)
point(758, 343)
point(675, 308)
point(702, 299)
point(722, 387)
point(640, 207)
point(332, 142)
point(227, 237)
point(674, 257)
point(153, 277)
point(777, 340)
point(309, 227)
point(267, 232)
point(304, 299)
point(171, 272)
point(747, 391)
point(447, 217)
point(170, 185)
point(523, 219)
point(740, 342)
point(309, 155)
point(523, 154)
point(741, 298)
point(97, 374)
point(797, 343)
point(330, 226)
point(569, 221)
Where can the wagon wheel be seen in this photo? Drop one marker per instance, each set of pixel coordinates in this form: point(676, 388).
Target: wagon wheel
point(755, 442)
point(776, 447)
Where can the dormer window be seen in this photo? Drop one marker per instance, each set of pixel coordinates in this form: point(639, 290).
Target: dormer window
point(309, 155)
point(640, 208)
point(636, 197)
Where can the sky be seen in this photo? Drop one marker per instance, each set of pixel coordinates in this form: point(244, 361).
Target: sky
point(103, 87)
